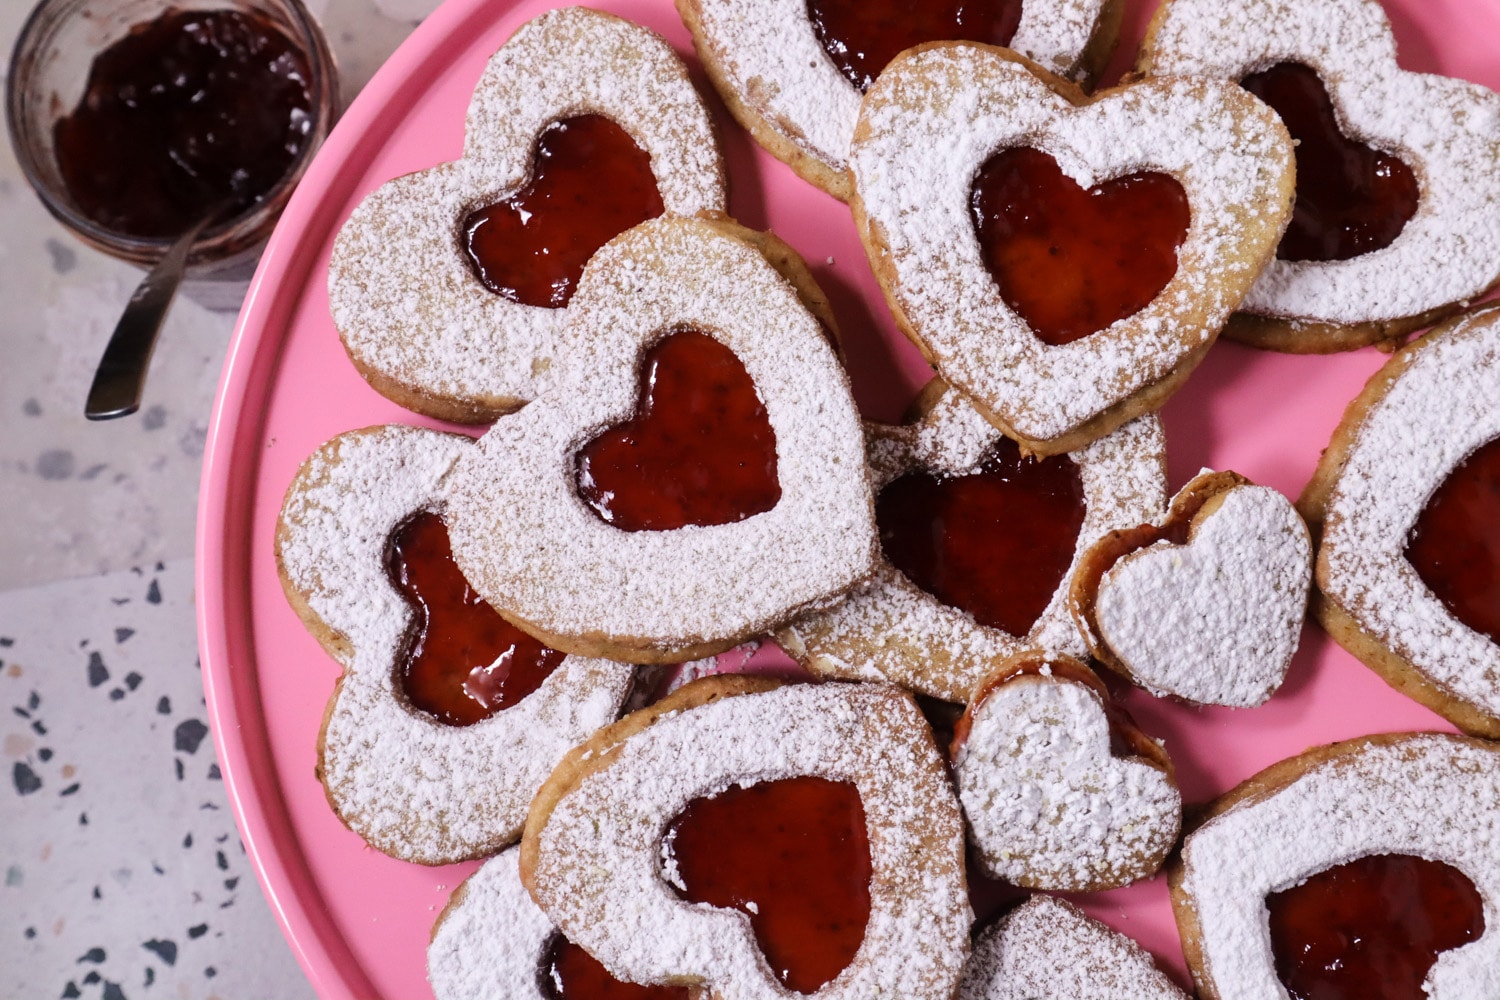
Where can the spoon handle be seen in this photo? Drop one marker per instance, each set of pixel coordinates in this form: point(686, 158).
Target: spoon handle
point(121, 375)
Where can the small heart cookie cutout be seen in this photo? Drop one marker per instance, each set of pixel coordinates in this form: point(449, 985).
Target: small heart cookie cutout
point(1209, 605)
point(1369, 255)
point(986, 109)
point(1060, 790)
point(1251, 888)
point(493, 728)
point(532, 524)
point(446, 285)
point(793, 71)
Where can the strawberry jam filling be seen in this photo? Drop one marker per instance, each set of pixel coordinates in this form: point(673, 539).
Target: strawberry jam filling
point(700, 449)
point(589, 183)
point(1071, 260)
point(461, 662)
point(570, 973)
point(1351, 199)
point(995, 543)
point(793, 855)
point(1454, 546)
point(1371, 929)
point(863, 36)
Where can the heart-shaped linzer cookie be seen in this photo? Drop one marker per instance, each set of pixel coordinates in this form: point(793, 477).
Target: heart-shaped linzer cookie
point(700, 449)
point(446, 284)
point(1405, 584)
point(793, 71)
point(1208, 606)
point(942, 116)
point(1366, 869)
point(532, 513)
point(1060, 790)
point(1398, 202)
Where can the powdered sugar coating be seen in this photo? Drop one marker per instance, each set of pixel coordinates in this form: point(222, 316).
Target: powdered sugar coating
point(1048, 806)
point(403, 293)
point(934, 117)
point(530, 545)
point(492, 942)
point(889, 628)
point(1428, 795)
point(1440, 409)
point(1446, 130)
point(1215, 621)
point(411, 786)
point(1046, 949)
point(598, 860)
point(770, 54)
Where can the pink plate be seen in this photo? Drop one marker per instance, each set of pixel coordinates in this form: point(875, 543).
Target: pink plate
point(358, 920)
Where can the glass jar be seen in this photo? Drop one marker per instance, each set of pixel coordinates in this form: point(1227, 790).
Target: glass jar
point(49, 71)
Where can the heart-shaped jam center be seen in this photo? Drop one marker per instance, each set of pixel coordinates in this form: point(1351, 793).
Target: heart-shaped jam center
point(589, 183)
point(570, 973)
point(863, 36)
point(1371, 929)
point(1351, 199)
point(700, 449)
point(1454, 546)
point(996, 543)
point(1071, 260)
point(794, 855)
point(461, 662)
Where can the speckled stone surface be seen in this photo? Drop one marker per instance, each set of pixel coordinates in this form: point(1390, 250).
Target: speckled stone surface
point(121, 872)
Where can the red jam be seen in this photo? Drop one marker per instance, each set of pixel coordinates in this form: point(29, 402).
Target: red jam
point(1454, 546)
point(1070, 261)
point(1371, 929)
point(589, 183)
point(462, 662)
point(863, 36)
point(700, 449)
point(1351, 199)
point(570, 973)
point(184, 112)
point(996, 543)
point(794, 855)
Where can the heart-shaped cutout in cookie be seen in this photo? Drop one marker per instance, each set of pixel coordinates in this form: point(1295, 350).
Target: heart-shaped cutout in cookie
point(1371, 929)
point(1060, 789)
point(1454, 547)
point(589, 183)
point(461, 662)
point(863, 36)
point(700, 449)
point(570, 973)
point(1351, 199)
point(1206, 606)
point(1072, 260)
point(995, 543)
point(794, 855)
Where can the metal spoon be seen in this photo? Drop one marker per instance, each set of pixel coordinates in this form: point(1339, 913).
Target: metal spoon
point(121, 375)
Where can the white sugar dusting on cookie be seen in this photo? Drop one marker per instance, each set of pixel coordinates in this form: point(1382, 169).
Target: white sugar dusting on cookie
point(491, 940)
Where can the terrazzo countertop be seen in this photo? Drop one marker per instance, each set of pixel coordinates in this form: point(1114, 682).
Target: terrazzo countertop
point(124, 876)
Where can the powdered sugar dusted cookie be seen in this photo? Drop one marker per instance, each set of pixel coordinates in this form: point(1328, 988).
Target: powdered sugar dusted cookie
point(1047, 949)
point(1065, 261)
point(979, 546)
point(1208, 605)
point(1369, 868)
point(447, 285)
point(491, 941)
point(1050, 804)
point(446, 719)
point(794, 71)
point(632, 512)
point(757, 840)
point(1404, 498)
point(1398, 203)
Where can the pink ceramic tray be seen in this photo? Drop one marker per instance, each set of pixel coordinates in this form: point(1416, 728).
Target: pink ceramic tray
point(359, 921)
